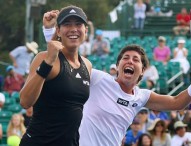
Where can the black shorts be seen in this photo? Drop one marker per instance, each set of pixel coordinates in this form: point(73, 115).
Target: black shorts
point(43, 141)
point(28, 141)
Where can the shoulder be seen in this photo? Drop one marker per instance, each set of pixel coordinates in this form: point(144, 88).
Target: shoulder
point(87, 63)
point(98, 75)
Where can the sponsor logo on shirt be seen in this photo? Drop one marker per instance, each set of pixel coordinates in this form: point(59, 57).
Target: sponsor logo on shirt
point(134, 104)
point(78, 75)
point(86, 82)
point(123, 102)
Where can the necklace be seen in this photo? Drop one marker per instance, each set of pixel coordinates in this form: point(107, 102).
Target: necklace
point(71, 68)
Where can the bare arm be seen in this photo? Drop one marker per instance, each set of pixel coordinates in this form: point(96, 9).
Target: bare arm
point(167, 102)
point(1, 131)
point(34, 83)
point(91, 27)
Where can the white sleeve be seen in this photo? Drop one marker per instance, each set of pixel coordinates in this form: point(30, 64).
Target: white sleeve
point(48, 33)
point(96, 76)
point(145, 95)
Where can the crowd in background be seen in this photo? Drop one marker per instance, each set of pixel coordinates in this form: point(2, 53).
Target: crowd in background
point(149, 128)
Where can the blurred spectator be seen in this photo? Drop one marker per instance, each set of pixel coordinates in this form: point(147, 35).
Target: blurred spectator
point(27, 116)
point(144, 140)
point(143, 116)
point(1, 132)
point(158, 133)
point(182, 20)
point(22, 56)
point(85, 47)
point(1, 82)
point(162, 52)
point(133, 134)
point(159, 114)
point(150, 76)
point(16, 126)
point(2, 100)
point(139, 14)
point(100, 45)
point(113, 70)
point(156, 10)
point(182, 115)
point(180, 55)
point(181, 138)
point(13, 81)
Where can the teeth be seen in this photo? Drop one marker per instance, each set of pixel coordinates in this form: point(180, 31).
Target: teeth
point(129, 68)
point(73, 37)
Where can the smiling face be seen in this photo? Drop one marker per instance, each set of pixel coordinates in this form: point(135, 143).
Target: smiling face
point(131, 64)
point(130, 67)
point(72, 32)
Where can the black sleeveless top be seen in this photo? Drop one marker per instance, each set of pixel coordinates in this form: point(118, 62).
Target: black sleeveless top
point(57, 113)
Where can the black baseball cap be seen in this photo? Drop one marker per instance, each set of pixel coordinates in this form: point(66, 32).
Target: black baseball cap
point(71, 11)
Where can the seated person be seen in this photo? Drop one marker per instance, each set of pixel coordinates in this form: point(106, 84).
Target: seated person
point(113, 70)
point(2, 100)
point(100, 46)
point(159, 114)
point(16, 126)
point(13, 81)
point(180, 55)
point(133, 134)
point(150, 76)
point(182, 137)
point(182, 20)
point(143, 116)
point(156, 10)
point(85, 47)
point(162, 52)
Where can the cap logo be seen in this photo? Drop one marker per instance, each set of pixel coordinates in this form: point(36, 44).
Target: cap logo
point(72, 11)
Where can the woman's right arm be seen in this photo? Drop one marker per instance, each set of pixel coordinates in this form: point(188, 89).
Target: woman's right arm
point(34, 83)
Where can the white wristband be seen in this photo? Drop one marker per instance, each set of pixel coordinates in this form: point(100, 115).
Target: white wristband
point(48, 33)
point(189, 90)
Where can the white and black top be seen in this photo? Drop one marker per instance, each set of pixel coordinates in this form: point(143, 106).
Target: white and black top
point(109, 111)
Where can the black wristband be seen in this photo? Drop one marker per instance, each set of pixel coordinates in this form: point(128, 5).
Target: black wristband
point(44, 69)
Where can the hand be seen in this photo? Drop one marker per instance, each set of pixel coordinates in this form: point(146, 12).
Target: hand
point(15, 65)
point(49, 18)
point(53, 48)
point(90, 23)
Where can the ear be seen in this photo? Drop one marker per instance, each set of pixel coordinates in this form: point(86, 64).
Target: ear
point(57, 31)
point(86, 31)
point(143, 70)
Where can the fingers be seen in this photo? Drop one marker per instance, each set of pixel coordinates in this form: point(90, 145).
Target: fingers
point(51, 14)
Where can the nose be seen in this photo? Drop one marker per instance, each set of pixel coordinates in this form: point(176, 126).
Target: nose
point(130, 61)
point(73, 27)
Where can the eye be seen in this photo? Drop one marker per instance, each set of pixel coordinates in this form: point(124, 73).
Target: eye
point(125, 58)
point(79, 24)
point(136, 60)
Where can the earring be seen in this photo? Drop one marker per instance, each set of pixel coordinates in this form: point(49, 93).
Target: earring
point(58, 38)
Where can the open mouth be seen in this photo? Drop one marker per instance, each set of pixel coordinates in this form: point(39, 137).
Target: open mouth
point(129, 70)
point(73, 37)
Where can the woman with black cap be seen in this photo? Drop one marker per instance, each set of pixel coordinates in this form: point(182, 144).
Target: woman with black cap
point(58, 84)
